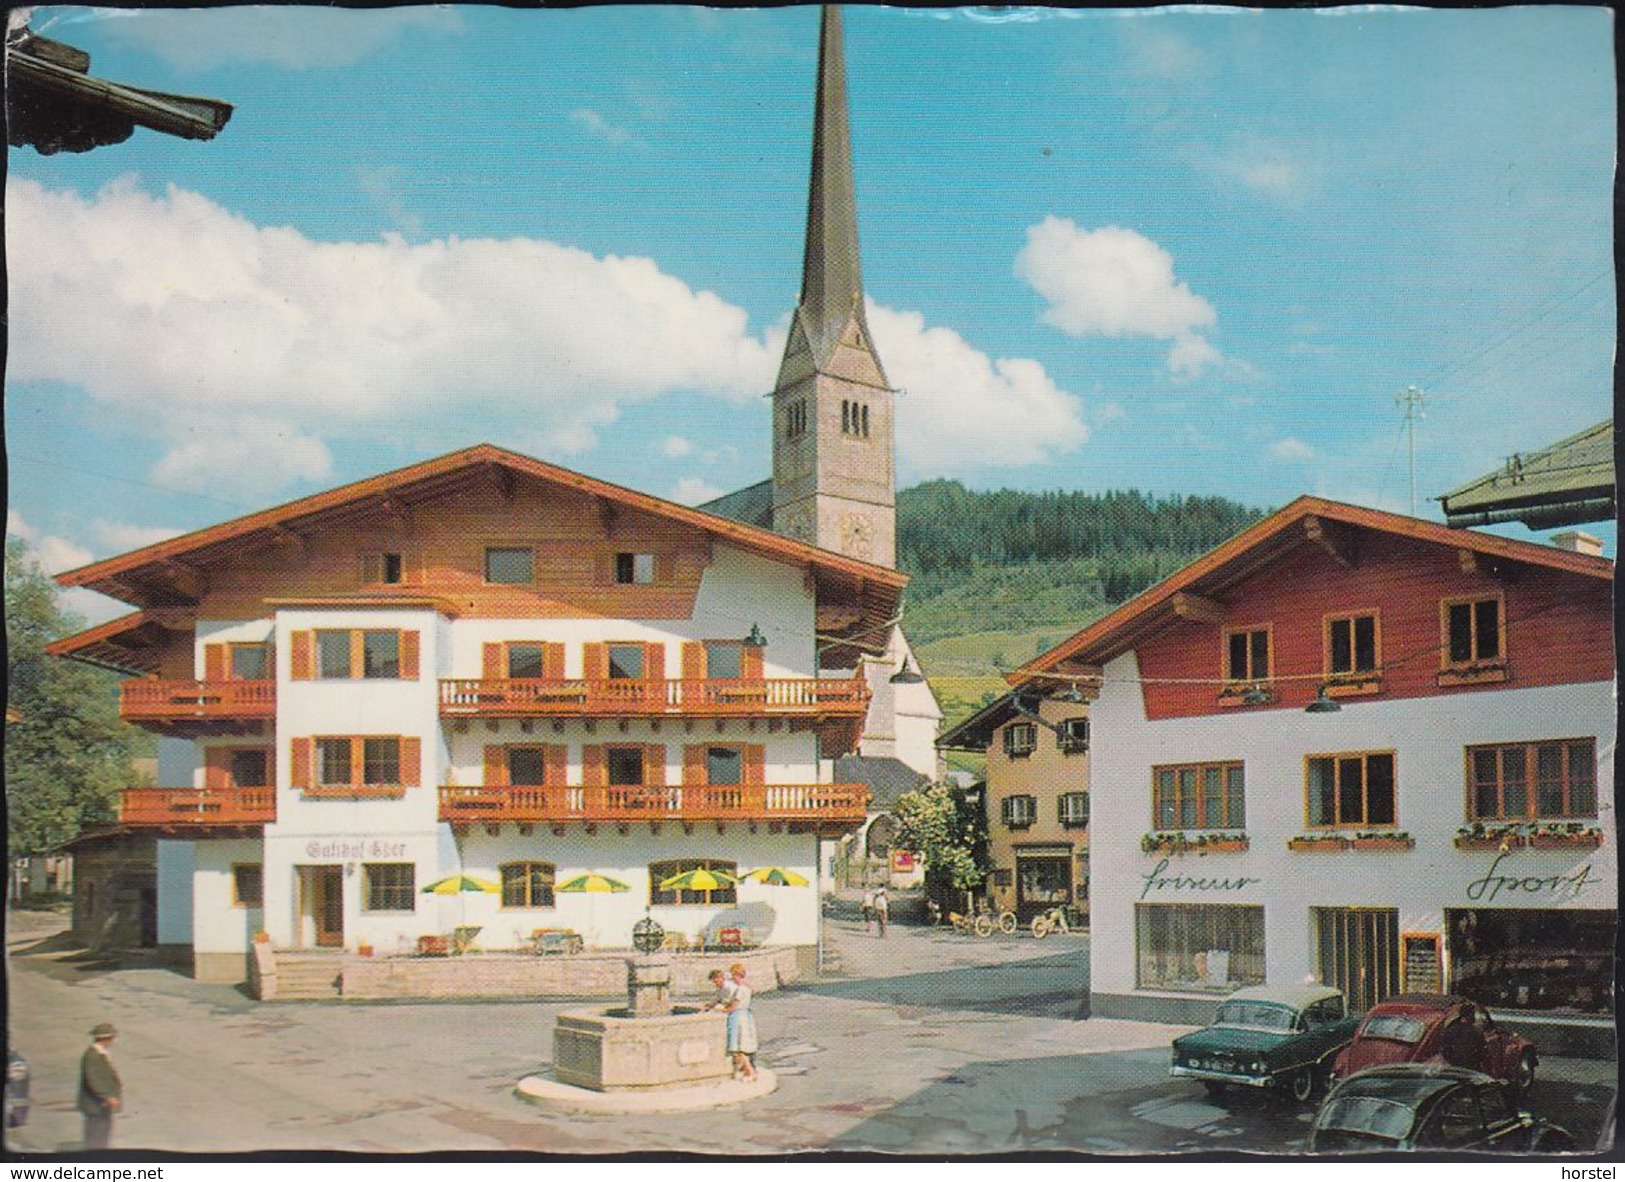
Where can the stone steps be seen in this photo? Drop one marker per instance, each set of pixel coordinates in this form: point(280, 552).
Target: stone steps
point(307, 976)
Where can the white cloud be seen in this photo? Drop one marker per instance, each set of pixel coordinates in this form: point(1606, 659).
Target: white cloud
point(1115, 282)
point(675, 447)
point(1274, 170)
point(119, 538)
point(1291, 449)
point(964, 411)
point(54, 554)
point(692, 490)
point(297, 38)
point(218, 336)
point(603, 129)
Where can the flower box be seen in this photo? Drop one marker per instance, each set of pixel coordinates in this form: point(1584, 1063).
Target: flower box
point(1178, 843)
point(1565, 841)
point(1224, 845)
point(1318, 845)
point(1489, 841)
point(1385, 843)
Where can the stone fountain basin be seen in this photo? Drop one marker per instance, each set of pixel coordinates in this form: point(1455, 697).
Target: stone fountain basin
point(611, 1050)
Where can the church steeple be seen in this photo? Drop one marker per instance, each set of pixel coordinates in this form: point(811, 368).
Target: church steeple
point(833, 461)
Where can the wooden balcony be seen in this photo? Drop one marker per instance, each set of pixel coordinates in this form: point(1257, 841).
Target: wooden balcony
point(197, 707)
point(780, 697)
point(826, 807)
point(192, 808)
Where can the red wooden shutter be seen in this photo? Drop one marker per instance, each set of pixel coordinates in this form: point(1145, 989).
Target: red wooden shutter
point(217, 768)
point(594, 768)
point(496, 766)
point(553, 662)
point(750, 662)
point(694, 763)
point(654, 662)
point(216, 662)
point(595, 658)
point(303, 759)
point(302, 656)
point(409, 656)
point(693, 660)
point(753, 763)
point(411, 761)
point(665, 568)
point(555, 765)
point(654, 764)
point(494, 667)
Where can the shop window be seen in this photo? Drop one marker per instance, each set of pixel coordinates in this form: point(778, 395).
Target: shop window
point(1472, 632)
point(388, 886)
point(659, 872)
point(1247, 654)
point(1073, 736)
point(625, 662)
point(1018, 812)
point(511, 565)
point(1351, 644)
point(527, 884)
point(1198, 947)
point(248, 885)
point(1352, 789)
point(625, 766)
point(1020, 739)
point(634, 568)
point(1073, 809)
point(1532, 781)
point(1536, 959)
point(1199, 796)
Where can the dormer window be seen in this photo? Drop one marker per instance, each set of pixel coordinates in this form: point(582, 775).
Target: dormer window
point(634, 568)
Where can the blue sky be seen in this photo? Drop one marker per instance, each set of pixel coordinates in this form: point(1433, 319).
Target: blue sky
point(1181, 251)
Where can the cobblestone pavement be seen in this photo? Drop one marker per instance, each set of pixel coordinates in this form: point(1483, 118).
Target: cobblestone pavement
point(929, 1043)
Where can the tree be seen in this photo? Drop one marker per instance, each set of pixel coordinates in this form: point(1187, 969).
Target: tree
point(67, 753)
point(947, 833)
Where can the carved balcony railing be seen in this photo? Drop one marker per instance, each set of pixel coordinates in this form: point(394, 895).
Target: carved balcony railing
point(836, 803)
point(197, 806)
point(196, 705)
point(805, 697)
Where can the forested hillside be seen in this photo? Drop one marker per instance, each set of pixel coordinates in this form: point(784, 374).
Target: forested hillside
point(981, 561)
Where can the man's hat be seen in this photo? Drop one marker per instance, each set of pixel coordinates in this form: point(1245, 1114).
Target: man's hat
point(103, 1030)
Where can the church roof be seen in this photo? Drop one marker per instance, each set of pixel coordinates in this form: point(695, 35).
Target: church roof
point(887, 777)
point(751, 505)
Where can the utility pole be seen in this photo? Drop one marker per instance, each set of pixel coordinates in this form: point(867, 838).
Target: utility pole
point(1410, 398)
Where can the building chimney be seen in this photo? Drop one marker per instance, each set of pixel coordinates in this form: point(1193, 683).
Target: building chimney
point(1580, 543)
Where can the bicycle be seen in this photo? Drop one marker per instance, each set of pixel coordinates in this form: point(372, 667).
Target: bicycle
point(983, 922)
point(1053, 920)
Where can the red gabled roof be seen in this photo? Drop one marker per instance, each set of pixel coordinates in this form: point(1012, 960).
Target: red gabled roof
point(1306, 521)
point(123, 645)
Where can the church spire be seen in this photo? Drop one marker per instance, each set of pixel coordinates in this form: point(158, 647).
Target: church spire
point(831, 276)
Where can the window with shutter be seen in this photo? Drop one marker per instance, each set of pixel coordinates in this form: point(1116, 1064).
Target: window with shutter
point(1020, 739)
point(1019, 812)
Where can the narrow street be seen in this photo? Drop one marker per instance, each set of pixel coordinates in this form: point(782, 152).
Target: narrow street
point(930, 1043)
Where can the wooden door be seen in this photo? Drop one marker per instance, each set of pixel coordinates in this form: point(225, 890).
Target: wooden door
point(323, 903)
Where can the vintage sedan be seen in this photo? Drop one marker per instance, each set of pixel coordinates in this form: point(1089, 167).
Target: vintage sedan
point(1281, 1037)
point(1438, 1028)
point(1429, 1106)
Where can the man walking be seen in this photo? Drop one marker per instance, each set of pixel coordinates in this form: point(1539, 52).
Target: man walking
point(882, 910)
point(100, 1092)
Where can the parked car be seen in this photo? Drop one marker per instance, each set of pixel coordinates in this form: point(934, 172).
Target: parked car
point(17, 1078)
point(1269, 1036)
point(1438, 1028)
point(1425, 1106)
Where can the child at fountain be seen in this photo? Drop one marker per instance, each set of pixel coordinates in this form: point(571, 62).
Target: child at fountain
point(724, 988)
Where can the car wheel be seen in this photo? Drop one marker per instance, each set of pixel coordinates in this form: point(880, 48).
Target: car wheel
point(1523, 1076)
point(1301, 1087)
point(1215, 1089)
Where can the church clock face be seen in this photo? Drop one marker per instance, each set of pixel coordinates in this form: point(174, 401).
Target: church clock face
point(857, 535)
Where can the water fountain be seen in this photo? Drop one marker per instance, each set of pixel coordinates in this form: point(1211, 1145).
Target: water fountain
point(647, 1056)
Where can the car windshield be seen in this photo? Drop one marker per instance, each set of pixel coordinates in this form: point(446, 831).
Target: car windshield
point(1390, 1026)
point(1260, 1015)
point(1364, 1114)
point(1350, 1141)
